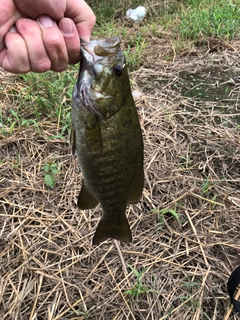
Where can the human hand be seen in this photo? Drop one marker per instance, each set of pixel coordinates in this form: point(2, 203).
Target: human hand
point(42, 35)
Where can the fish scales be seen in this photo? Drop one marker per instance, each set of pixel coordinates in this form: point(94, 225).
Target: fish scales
point(106, 136)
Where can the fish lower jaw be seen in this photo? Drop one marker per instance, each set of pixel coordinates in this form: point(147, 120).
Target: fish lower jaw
point(99, 95)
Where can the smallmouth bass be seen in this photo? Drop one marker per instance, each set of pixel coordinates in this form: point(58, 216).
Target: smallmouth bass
point(106, 137)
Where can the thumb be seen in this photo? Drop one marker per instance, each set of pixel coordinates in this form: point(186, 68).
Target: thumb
point(8, 17)
point(83, 17)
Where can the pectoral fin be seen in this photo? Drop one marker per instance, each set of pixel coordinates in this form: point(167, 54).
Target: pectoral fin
point(86, 200)
point(136, 191)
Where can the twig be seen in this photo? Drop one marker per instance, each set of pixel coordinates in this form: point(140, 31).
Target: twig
point(198, 312)
point(199, 242)
point(121, 257)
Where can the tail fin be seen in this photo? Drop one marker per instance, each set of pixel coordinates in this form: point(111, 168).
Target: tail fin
point(106, 230)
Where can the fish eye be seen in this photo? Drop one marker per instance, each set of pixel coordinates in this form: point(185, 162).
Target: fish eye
point(117, 69)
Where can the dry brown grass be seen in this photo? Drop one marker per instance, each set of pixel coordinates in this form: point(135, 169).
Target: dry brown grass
point(48, 266)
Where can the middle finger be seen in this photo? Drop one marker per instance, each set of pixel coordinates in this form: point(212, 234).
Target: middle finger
point(54, 43)
point(32, 35)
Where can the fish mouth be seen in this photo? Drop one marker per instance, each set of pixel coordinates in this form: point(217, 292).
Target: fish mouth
point(86, 100)
point(88, 103)
point(97, 49)
point(86, 74)
point(94, 55)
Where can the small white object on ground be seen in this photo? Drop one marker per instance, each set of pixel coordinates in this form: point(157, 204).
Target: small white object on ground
point(136, 14)
point(136, 94)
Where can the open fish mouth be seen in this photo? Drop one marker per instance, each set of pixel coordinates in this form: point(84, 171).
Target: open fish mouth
point(95, 55)
point(93, 50)
point(88, 103)
point(86, 100)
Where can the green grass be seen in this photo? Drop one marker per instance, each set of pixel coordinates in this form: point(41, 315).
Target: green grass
point(161, 213)
point(138, 288)
point(189, 23)
point(105, 10)
point(45, 86)
point(220, 19)
point(135, 51)
point(192, 19)
point(41, 96)
point(48, 95)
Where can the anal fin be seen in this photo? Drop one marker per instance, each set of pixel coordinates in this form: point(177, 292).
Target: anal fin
point(85, 199)
point(136, 192)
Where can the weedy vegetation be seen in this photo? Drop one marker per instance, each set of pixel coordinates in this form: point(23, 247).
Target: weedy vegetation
point(161, 215)
point(183, 61)
point(138, 288)
point(50, 170)
point(218, 19)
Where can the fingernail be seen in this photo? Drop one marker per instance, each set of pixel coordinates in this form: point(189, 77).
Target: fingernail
point(67, 27)
point(45, 21)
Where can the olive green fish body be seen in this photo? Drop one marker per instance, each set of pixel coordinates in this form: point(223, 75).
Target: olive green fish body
point(107, 139)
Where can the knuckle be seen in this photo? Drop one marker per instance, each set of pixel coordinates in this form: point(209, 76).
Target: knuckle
point(27, 26)
point(93, 20)
point(19, 68)
point(54, 41)
point(59, 68)
point(41, 66)
point(90, 22)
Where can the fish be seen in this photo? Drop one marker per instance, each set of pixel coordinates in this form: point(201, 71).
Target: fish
point(107, 138)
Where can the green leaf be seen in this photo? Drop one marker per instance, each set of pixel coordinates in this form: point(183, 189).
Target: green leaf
point(49, 181)
point(14, 113)
point(173, 213)
point(12, 126)
point(54, 170)
point(46, 168)
point(137, 274)
point(25, 122)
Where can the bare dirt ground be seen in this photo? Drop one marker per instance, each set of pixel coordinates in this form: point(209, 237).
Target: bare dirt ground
point(49, 269)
